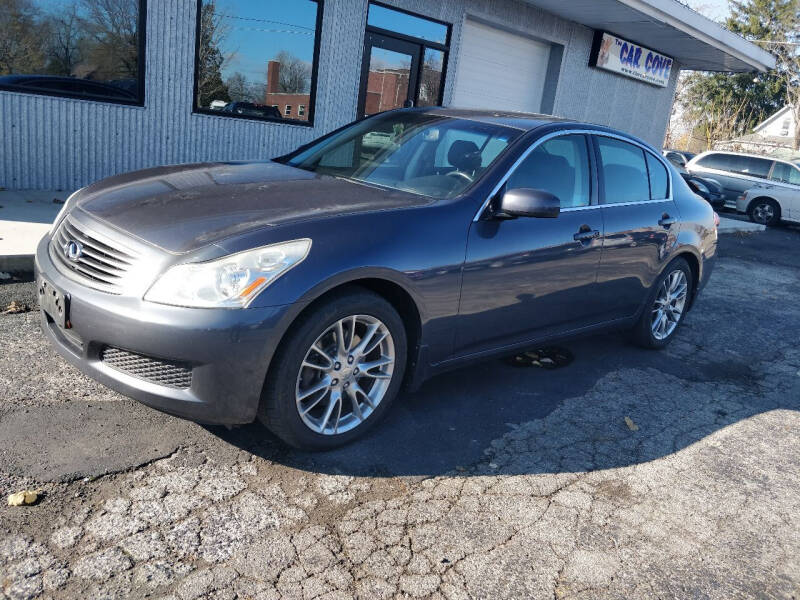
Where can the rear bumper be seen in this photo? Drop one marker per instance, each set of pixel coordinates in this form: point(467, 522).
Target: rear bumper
point(227, 351)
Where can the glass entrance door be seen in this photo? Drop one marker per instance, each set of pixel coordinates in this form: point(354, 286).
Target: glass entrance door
point(389, 74)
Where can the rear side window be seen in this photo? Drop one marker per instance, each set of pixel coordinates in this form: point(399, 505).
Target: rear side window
point(559, 166)
point(785, 173)
point(755, 167)
point(721, 162)
point(659, 181)
point(625, 177)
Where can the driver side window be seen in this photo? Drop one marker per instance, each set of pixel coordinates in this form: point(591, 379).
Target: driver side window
point(559, 166)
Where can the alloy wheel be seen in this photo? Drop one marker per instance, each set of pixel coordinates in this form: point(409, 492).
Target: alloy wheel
point(345, 374)
point(669, 304)
point(763, 213)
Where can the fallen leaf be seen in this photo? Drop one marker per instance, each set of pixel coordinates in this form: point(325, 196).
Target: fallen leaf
point(24, 498)
point(16, 307)
point(631, 425)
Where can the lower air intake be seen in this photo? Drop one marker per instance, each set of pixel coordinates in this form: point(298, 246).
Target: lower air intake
point(161, 372)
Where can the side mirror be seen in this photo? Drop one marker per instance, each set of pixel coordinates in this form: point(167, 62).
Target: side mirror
point(528, 202)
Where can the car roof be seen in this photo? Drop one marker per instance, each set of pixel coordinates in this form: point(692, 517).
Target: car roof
point(746, 154)
point(526, 121)
point(517, 120)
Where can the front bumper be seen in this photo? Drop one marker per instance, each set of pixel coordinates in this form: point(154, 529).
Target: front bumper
point(227, 350)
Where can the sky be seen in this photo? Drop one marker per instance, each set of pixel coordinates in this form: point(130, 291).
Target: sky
point(257, 31)
point(716, 10)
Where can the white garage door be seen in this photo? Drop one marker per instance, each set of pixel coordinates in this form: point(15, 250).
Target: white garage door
point(499, 70)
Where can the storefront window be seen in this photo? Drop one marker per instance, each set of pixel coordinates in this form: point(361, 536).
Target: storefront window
point(404, 60)
point(89, 49)
point(262, 54)
point(391, 19)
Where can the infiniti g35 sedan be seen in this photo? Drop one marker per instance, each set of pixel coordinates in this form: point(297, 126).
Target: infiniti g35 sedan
point(305, 291)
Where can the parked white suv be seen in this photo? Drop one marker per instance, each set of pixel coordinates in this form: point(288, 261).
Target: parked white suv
point(738, 173)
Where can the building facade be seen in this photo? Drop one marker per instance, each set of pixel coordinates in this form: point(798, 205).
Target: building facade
point(353, 57)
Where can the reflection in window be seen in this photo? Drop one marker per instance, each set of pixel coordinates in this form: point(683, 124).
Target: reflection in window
point(430, 85)
point(559, 166)
point(625, 176)
point(260, 53)
point(659, 181)
point(81, 48)
point(411, 25)
point(421, 153)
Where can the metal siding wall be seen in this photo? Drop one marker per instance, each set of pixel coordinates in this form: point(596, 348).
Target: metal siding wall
point(48, 142)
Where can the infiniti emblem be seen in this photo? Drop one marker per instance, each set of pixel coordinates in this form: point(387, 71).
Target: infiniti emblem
point(73, 250)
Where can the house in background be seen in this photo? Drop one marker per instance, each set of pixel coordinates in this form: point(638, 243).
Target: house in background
point(775, 136)
point(292, 106)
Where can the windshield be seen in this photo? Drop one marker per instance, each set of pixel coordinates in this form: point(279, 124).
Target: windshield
point(427, 154)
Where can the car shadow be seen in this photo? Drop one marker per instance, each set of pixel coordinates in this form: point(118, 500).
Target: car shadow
point(446, 425)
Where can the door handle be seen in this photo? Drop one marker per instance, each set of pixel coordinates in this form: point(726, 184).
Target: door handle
point(666, 221)
point(586, 235)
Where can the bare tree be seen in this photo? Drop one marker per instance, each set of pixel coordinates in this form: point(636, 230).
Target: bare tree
point(21, 48)
point(430, 86)
point(112, 28)
point(65, 37)
point(210, 59)
point(242, 90)
point(295, 74)
point(678, 119)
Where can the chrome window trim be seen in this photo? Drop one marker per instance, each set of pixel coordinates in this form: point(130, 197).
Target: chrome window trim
point(564, 132)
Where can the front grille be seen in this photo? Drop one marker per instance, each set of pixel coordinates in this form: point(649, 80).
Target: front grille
point(162, 372)
point(100, 265)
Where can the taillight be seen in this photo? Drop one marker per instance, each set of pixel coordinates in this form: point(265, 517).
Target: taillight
point(716, 220)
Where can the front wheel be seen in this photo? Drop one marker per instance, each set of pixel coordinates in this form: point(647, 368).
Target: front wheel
point(666, 306)
point(336, 373)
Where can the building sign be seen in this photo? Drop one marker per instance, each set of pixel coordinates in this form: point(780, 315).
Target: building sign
point(626, 58)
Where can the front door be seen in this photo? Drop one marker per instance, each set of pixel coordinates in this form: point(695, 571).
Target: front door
point(389, 74)
point(527, 278)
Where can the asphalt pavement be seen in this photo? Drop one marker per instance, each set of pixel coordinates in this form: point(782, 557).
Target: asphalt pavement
point(624, 474)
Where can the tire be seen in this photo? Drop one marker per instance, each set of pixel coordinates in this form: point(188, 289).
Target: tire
point(298, 369)
point(764, 211)
point(646, 333)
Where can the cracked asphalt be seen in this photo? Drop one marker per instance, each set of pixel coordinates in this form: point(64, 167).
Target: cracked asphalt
point(490, 482)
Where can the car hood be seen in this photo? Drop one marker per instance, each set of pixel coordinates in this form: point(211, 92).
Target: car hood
point(185, 207)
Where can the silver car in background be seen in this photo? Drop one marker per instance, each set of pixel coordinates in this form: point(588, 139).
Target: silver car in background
point(770, 203)
point(738, 172)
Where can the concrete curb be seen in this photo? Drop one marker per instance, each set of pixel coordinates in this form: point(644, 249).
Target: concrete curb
point(736, 226)
point(16, 262)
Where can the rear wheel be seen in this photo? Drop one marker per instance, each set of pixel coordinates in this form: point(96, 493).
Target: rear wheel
point(765, 211)
point(336, 373)
point(666, 306)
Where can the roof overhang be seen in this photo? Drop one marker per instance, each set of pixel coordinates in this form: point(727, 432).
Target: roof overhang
point(669, 27)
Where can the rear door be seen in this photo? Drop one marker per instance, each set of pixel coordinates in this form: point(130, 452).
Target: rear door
point(787, 177)
point(641, 224)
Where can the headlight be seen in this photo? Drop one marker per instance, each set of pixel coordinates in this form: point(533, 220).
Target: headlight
point(63, 212)
point(229, 282)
